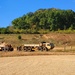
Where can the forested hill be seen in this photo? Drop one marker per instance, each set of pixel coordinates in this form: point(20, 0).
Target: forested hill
point(42, 21)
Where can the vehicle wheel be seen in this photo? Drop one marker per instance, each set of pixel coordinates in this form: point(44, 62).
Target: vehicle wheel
point(40, 48)
point(29, 49)
point(45, 49)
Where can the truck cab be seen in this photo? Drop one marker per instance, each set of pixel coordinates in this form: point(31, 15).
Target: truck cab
point(46, 46)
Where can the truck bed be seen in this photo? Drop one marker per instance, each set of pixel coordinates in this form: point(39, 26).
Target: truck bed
point(31, 44)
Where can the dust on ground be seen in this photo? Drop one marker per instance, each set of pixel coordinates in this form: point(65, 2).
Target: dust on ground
point(38, 65)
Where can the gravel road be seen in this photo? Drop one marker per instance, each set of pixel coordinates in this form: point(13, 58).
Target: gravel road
point(38, 65)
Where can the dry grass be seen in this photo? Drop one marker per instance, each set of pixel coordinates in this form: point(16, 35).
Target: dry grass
point(57, 38)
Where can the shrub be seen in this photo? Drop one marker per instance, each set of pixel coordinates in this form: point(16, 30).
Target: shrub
point(19, 37)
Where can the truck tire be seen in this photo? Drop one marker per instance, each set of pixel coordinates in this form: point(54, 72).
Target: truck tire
point(29, 49)
point(25, 48)
point(45, 49)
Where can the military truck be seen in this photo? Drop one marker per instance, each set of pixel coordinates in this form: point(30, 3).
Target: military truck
point(43, 46)
point(6, 47)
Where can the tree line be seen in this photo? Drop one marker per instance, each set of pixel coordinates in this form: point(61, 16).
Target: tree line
point(42, 21)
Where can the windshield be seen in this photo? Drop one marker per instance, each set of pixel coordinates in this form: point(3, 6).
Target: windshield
point(48, 44)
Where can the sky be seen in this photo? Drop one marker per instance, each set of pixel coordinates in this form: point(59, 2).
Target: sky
point(12, 9)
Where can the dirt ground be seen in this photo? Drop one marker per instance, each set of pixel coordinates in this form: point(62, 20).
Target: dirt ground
point(38, 65)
